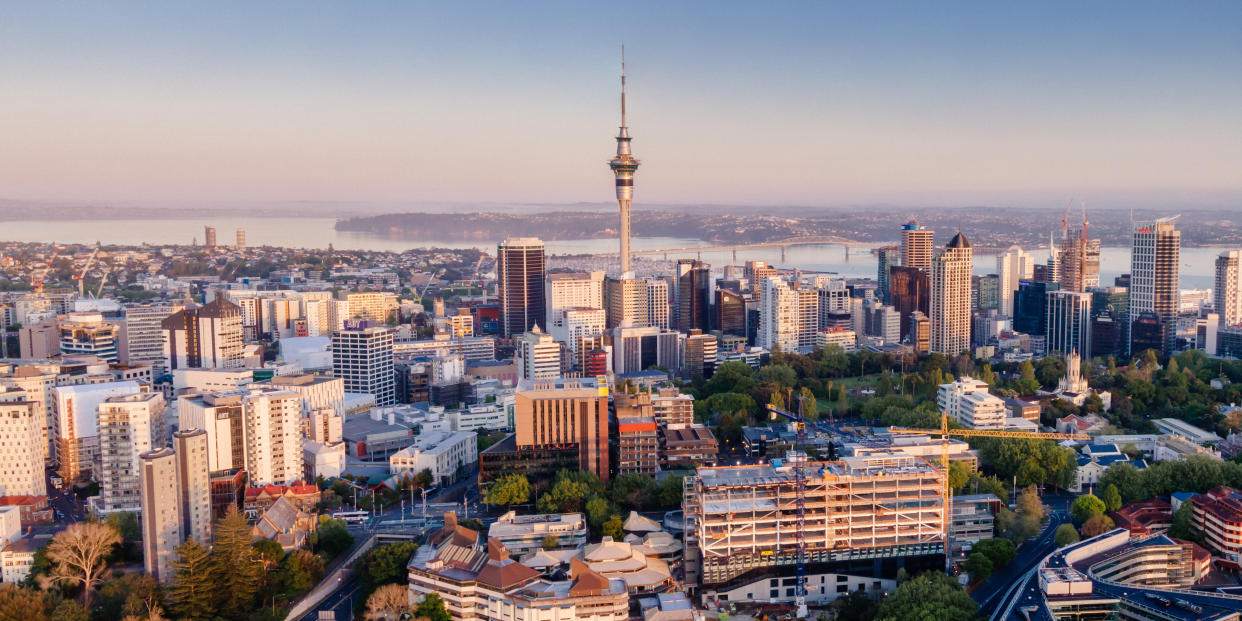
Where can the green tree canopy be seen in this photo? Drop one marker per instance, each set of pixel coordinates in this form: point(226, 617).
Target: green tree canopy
point(932, 595)
point(1111, 498)
point(386, 564)
point(1065, 535)
point(1086, 507)
point(191, 592)
point(509, 489)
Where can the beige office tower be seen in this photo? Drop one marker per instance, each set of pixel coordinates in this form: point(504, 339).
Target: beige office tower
point(1155, 260)
point(193, 482)
point(209, 236)
point(38, 386)
point(1227, 294)
point(257, 430)
point(573, 290)
point(206, 337)
point(161, 512)
point(950, 298)
point(142, 339)
point(916, 245)
point(627, 301)
point(21, 455)
point(657, 302)
point(366, 306)
point(1012, 266)
point(1078, 262)
point(241, 239)
point(129, 425)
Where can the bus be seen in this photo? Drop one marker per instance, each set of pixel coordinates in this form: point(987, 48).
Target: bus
point(352, 517)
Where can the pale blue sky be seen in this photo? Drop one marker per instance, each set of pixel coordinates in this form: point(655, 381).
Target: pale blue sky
point(1122, 103)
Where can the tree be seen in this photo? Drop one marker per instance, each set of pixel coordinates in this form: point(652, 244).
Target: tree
point(1065, 535)
point(386, 564)
point(23, 604)
point(931, 595)
point(432, 607)
point(1112, 498)
point(509, 489)
point(1097, 525)
point(79, 555)
point(236, 565)
point(633, 491)
point(1000, 551)
point(1126, 478)
point(69, 610)
point(612, 528)
point(333, 537)
point(1184, 523)
point(133, 595)
point(390, 602)
point(1086, 507)
point(780, 374)
point(299, 571)
point(978, 565)
point(192, 588)
point(959, 475)
point(550, 542)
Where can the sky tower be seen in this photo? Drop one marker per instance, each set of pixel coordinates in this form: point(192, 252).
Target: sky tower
point(623, 167)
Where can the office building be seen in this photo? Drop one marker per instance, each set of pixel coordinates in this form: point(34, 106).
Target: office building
point(834, 297)
point(21, 456)
point(1030, 310)
point(636, 349)
point(756, 271)
point(730, 310)
point(520, 267)
point(1078, 262)
point(444, 454)
point(525, 533)
point(1068, 326)
point(538, 355)
point(916, 246)
point(1227, 294)
point(886, 258)
point(207, 337)
point(1155, 259)
point(881, 321)
point(129, 425)
point(161, 512)
point(258, 430)
point(636, 440)
point(627, 301)
point(1012, 266)
point(76, 430)
point(576, 326)
point(968, 401)
point(241, 240)
point(985, 292)
point(364, 359)
point(89, 334)
point(209, 237)
point(671, 408)
point(194, 483)
point(572, 290)
point(950, 298)
point(658, 303)
point(564, 414)
point(920, 333)
point(693, 287)
point(865, 518)
point(141, 337)
point(318, 392)
point(699, 359)
point(909, 292)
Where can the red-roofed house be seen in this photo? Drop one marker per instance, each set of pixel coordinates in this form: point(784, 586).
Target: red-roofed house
point(303, 496)
point(1146, 517)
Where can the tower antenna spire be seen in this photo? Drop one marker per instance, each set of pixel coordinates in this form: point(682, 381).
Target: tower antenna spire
point(622, 85)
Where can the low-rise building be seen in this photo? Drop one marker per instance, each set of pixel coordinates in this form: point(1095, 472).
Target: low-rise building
point(444, 454)
point(1181, 428)
point(521, 534)
point(323, 460)
point(974, 519)
point(1145, 517)
point(1218, 514)
point(16, 559)
point(687, 447)
point(968, 401)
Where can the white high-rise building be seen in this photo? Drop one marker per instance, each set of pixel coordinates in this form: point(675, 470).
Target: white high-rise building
point(364, 359)
point(142, 339)
point(577, 324)
point(788, 316)
point(21, 456)
point(538, 355)
point(194, 483)
point(578, 290)
point(89, 334)
point(76, 432)
point(38, 385)
point(258, 430)
point(968, 401)
point(950, 298)
point(1012, 266)
point(657, 303)
point(129, 425)
point(206, 337)
point(1155, 258)
point(1227, 294)
point(317, 391)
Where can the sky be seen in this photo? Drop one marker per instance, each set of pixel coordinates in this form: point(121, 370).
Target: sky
point(827, 104)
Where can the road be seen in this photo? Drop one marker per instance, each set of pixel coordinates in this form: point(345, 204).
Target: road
point(994, 592)
point(341, 601)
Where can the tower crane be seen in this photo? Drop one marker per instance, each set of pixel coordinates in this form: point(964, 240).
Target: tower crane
point(799, 465)
point(103, 280)
point(944, 432)
point(81, 277)
point(37, 279)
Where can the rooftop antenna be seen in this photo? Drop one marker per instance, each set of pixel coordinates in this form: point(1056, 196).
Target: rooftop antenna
point(623, 85)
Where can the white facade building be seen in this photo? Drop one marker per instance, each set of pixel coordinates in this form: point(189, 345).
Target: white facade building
point(579, 290)
point(259, 430)
point(950, 298)
point(76, 432)
point(441, 453)
point(21, 456)
point(1012, 266)
point(968, 401)
point(538, 355)
point(129, 426)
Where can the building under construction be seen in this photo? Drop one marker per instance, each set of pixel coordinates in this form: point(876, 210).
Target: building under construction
point(864, 518)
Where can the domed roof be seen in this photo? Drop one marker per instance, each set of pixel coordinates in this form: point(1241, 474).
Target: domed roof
point(959, 241)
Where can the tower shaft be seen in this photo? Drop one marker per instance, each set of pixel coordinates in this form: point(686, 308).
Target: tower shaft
point(623, 167)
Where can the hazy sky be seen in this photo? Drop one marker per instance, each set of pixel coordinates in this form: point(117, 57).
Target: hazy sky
point(817, 103)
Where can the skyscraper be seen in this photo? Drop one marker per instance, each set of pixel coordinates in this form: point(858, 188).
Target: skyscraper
point(1012, 266)
point(142, 339)
point(1155, 257)
point(788, 316)
point(910, 292)
point(129, 425)
point(241, 239)
point(520, 267)
point(209, 237)
point(886, 258)
point(626, 301)
point(623, 167)
point(161, 512)
point(657, 303)
point(1079, 258)
point(206, 337)
point(1069, 322)
point(950, 297)
point(1030, 306)
point(1227, 295)
point(570, 290)
point(916, 245)
point(21, 426)
point(258, 430)
point(538, 355)
point(193, 482)
point(692, 295)
point(364, 359)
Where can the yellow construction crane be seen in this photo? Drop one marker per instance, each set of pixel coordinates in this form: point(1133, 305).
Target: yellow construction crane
point(945, 433)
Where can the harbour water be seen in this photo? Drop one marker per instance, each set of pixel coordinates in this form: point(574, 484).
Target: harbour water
point(291, 232)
